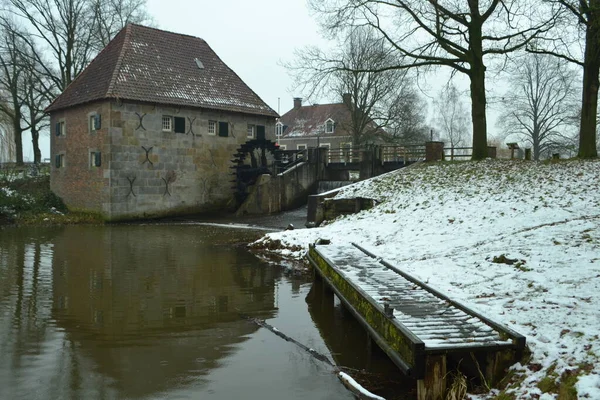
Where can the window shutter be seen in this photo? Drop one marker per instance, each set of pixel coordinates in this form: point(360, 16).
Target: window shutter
point(57, 161)
point(179, 124)
point(97, 121)
point(57, 129)
point(260, 132)
point(224, 129)
point(97, 159)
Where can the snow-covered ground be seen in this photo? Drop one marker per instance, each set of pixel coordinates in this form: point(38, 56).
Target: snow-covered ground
point(445, 223)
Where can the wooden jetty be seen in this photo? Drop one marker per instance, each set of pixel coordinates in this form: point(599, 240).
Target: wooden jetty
point(424, 332)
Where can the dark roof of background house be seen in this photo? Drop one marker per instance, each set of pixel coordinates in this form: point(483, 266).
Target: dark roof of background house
point(310, 120)
point(150, 65)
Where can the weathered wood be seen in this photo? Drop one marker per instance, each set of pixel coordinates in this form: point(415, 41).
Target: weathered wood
point(433, 386)
point(496, 363)
point(400, 340)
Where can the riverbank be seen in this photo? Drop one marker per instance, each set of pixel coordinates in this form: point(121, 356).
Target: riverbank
point(28, 200)
point(518, 241)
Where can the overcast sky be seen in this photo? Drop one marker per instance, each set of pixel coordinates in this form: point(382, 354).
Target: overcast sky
point(251, 37)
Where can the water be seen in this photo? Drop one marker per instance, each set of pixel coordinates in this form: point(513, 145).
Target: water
point(153, 312)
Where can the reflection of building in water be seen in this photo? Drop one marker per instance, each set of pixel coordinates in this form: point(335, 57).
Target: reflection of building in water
point(150, 304)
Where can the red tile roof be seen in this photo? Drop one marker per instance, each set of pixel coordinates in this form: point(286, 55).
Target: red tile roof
point(310, 120)
point(150, 65)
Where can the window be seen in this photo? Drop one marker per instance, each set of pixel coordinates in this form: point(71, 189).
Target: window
point(212, 127)
point(223, 129)
point(179, 123)
point(278, 129)
point(94, 122)
point(250, 131)
point(282, 147)
point(59, 129)
point(59, 161)
point(329, 126)
point(301, 147)
point(260, 132)
point(95, 159)
point(167, 123)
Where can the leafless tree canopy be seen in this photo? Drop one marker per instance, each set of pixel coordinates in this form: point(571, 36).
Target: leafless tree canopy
point(540, 105)
point(457, 34)
point(577, 39)
point(375, 97)
point(452, 117)
point(45, 45)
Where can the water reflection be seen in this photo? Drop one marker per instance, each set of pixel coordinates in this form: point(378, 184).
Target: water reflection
point(123, 312)
point(353, 349)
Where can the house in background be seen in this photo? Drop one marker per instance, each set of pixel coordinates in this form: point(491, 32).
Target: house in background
point(319, 125)
point(149, 128)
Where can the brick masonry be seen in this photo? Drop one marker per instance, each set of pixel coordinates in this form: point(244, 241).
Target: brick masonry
point(184, 172)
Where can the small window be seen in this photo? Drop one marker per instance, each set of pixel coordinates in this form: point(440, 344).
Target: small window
point(212, 127)
point(223, 129)
point(94, 123)
point(250, 131)
point(59, 161)
point(167, 123)
point(279, 129)
point(59, 129)
point(301, 147)
point(329, 126)
point(95, 159)
point(282, 147)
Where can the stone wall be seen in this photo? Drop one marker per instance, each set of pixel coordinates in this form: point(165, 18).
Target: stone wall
point(287, 190)
point(148, 172)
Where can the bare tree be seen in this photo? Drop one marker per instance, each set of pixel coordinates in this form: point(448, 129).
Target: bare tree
point(66, 28)
point(374, 98)
point(585, 14)
point(540, 103)
point(113, 15)
point(73, 31)
point(459, 35)
point(452, 117)
point(11, 77)
point(407, 118)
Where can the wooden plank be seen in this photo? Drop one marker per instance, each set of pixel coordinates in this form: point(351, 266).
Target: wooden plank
point(399, 339)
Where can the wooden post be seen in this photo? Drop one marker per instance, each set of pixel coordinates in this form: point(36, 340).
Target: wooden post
point(496, 362)
point(433, 386)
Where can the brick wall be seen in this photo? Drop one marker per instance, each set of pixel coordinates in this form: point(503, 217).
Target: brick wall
point(78, 183)
point(183, 172)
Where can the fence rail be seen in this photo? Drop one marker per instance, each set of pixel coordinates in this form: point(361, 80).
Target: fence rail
point(405, 154)
point(452, 153)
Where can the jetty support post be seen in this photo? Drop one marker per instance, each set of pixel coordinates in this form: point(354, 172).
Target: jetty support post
point(433, 385)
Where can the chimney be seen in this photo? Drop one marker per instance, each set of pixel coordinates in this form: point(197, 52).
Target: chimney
point(297, 102)
point(347, 99)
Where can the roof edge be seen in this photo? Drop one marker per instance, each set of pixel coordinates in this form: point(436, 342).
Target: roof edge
point(119, 62)
point(216, 108)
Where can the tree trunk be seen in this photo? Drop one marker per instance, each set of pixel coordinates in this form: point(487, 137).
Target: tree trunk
point(589, 104)
point(18, 139)
point(478, 105)
point(37, 154)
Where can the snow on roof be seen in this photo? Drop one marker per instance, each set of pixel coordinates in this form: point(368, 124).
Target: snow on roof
point(150, 65)
point(446, 223)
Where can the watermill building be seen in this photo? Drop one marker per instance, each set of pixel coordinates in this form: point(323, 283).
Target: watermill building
point(150, 127)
